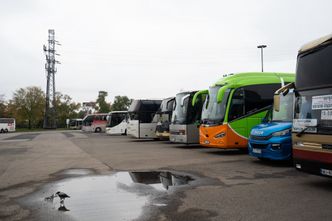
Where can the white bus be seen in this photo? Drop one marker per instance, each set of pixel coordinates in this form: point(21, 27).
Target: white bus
point(186, 119)
point(7, 125)
point(141, 113)
point(117, 123)
point(75, 124)
point(94, 123)
point(163, 118)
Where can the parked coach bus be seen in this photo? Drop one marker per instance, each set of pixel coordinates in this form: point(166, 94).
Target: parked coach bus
point(75, 124)
point(273, 138)
point(141, 113)
point(186, 118)
point(235, 104)
point(312, 124)
point(117, 123)
point(7, 125)
point(94, 123)
point(163, 118)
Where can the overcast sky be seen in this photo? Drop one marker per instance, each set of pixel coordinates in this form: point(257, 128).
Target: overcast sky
point(151, 48)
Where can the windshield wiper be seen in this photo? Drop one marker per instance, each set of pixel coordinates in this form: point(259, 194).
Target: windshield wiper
point(299, 134)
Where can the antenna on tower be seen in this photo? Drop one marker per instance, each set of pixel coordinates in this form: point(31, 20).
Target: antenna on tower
point(50, 120)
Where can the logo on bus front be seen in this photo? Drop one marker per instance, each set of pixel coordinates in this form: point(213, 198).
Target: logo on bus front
point(257, 132)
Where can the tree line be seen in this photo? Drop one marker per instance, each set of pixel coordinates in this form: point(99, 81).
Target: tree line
point(27, 106)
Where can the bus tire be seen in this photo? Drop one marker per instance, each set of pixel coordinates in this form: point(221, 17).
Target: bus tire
point(1, 131)
point(98, 130)
point(125, 133)
point(6, 130)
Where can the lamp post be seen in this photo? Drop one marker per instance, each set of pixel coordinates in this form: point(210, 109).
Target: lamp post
point(262, 47)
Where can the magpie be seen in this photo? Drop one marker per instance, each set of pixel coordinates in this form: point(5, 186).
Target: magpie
point(62, 195)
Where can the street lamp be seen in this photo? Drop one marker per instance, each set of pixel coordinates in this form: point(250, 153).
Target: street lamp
point(262, 47)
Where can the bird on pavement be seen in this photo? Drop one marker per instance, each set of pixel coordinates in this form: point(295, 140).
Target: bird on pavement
point(62, 195)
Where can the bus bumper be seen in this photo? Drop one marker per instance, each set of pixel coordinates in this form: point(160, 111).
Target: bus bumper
point(311, 162)
point(276, 148)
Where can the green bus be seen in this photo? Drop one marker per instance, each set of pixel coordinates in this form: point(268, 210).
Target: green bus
point(235, 104)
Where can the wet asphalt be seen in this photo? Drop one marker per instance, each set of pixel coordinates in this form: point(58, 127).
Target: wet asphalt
point(119, 178)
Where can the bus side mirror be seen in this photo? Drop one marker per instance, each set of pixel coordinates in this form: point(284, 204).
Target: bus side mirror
point(220, 94)
point(276, 102)
point(182, 100)
point(284, 93)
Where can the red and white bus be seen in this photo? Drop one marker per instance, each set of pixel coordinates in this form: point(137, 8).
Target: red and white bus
point(7, 125)
point(94, 123)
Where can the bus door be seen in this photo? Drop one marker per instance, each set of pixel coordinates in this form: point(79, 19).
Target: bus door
point(237, 131)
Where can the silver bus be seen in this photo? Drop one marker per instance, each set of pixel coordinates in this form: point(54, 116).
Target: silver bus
point(186, 118)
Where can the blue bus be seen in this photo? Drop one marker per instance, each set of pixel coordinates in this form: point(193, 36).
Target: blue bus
point(273, 138)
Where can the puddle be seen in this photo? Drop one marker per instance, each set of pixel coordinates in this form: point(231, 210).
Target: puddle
point(76, 172)
point(12, 151)
point(120, 196)
point(67, 134)
point(26, 136)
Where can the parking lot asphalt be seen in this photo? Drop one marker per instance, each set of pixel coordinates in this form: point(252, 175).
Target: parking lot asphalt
point(233, 186)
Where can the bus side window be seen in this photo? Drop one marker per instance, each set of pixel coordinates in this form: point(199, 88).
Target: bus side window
point(259, 96)
point(237, 105)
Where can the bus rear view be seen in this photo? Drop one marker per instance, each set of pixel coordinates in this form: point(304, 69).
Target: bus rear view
point(312, 125)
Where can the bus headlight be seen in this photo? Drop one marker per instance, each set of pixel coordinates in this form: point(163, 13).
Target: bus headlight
point(220, 135)
point(281, 133)
point(299, 143)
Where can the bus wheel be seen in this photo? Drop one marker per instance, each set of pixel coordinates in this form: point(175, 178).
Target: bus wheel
point(125, 133)
point(6, 130)
point(98, 130)
point(1, 131)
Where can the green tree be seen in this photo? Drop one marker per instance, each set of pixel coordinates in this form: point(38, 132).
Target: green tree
point(65, 108)
point(121, 103)
point(103, 106)
point(3, 106)
point(27, 105)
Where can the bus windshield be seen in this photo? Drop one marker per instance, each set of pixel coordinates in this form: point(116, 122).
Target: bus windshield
point(181, 109)
point(285, 113)
point(214, 112)
point(87, 121)
point(314, 106)
point(115, 119)
point(314, 68)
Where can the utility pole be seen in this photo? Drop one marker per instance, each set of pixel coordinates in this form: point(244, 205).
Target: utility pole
point(262, 47)
point(50, 107)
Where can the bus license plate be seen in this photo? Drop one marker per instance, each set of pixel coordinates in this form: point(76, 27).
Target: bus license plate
point(326, 172)
point(255, 150)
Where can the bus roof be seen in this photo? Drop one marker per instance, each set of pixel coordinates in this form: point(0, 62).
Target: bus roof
point(186, 92)
point(252, 78)
point(246, 79)
point(96, 114)
point(315, 43)
point(115, 112)
point(144, 105)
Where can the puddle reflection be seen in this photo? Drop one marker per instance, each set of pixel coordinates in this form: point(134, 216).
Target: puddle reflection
point(120, 196)
point(164, 179)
